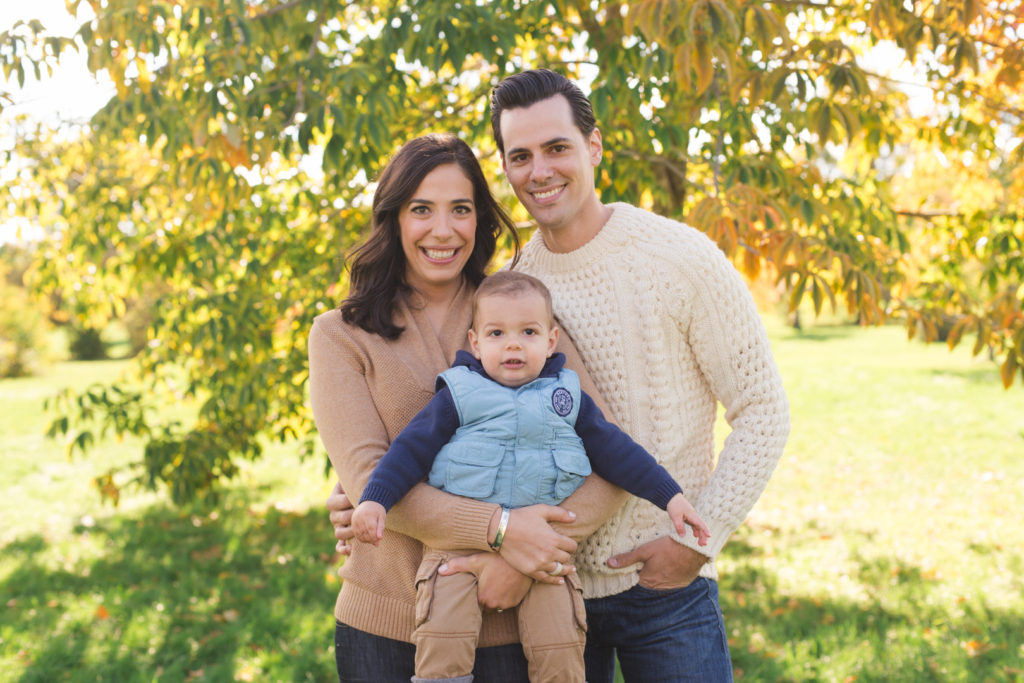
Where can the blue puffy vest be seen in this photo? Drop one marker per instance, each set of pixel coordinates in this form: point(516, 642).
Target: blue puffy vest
point(514, 447)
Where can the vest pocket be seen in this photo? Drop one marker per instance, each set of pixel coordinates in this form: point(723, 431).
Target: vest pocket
point(571, 467)
point(473, 468)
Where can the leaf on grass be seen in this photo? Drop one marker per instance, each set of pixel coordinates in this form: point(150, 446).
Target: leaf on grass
point(974, 647)
point(102, 613)
point(212, 553)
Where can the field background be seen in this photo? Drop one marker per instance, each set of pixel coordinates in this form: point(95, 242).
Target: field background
point(887, 546)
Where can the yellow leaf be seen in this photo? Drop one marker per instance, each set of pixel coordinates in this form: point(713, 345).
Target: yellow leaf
point(102, 613)
point(703, 64)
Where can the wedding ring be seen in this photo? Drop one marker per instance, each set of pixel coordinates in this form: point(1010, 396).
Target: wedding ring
point(558, 569)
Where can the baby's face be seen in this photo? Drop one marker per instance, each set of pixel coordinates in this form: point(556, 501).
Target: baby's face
point(513, 336)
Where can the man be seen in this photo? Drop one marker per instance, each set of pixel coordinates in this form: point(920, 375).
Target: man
point(666, 328)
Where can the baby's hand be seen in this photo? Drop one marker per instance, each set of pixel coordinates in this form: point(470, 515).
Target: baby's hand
point(368, 522)
point(683, 514)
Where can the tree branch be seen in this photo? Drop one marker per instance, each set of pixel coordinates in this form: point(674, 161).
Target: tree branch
point(284, 6)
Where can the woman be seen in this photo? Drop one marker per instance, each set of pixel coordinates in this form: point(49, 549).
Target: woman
point(372, 368)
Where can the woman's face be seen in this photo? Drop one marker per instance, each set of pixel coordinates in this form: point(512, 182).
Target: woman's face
point(438, 227)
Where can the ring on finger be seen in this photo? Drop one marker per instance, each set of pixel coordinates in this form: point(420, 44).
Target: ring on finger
point(558, 569)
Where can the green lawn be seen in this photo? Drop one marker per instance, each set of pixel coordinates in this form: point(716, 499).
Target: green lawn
point(885, 548)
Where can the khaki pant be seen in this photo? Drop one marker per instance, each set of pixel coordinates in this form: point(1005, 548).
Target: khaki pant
point(552, 625)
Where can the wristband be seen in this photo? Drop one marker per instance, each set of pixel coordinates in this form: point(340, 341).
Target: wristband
point(499, 536)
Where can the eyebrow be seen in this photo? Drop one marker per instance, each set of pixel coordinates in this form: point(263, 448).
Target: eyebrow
point(547, 143)
point(416, 200)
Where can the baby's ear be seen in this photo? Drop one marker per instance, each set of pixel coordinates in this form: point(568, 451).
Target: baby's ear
point(474, 344)
point(552, 339)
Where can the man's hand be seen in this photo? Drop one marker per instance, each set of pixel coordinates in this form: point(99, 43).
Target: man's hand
point(533, 548)
point(340, 508)
point(368, 521)
point(666, 563)
point(499, 586)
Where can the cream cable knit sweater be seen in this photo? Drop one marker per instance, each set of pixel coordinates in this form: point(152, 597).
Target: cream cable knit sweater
point(665, 326)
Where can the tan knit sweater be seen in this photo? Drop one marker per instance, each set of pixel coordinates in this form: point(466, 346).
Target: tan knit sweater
point(364, 390)
point(666, 325)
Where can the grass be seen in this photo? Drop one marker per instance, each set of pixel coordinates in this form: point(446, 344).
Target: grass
point(146, 592)
point(885, 548)
point(886, 545)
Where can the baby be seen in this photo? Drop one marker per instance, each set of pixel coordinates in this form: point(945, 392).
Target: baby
point(509, 425)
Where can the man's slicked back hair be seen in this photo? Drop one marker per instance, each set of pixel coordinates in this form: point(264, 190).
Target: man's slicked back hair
point(526, 88)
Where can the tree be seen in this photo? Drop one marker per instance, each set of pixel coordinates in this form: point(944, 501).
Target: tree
point(234, 165)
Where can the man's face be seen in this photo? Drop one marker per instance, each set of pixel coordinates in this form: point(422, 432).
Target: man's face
point(550, 163)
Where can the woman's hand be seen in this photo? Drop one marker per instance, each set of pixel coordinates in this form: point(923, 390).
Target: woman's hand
point(499, 586)
point(533, 548)
point(340, 508)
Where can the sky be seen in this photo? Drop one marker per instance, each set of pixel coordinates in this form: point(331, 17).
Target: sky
point(71, 95)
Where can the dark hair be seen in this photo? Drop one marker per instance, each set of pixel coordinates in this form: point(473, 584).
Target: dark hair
point(529, 87)
point(377, 266)
point(511, 283)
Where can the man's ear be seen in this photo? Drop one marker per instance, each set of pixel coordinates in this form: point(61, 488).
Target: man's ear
point(552, 340)
point(473, 343)
point(596, 146)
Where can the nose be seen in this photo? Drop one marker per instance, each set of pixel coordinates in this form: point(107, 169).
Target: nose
point(540, 171)
point(512, 342)
point(442, 227)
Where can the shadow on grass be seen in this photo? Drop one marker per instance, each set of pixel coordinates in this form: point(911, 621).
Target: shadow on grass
point(820, 333)
point(982, 373)
point(164, 594)
point(906, 633)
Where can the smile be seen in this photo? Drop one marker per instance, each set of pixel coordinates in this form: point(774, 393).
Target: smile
point(546, 194)
point(439, 254)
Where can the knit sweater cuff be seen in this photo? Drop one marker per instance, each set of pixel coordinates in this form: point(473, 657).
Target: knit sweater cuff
point(474, 519)
point(720, 533)
point(379, 494)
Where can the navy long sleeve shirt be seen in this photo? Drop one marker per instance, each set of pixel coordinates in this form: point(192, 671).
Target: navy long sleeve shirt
point(613, 454)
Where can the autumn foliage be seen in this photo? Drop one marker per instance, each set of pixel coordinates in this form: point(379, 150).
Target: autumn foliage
point(232, 169)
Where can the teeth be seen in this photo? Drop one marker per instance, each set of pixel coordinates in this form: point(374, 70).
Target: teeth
point(440, 254)
point(546, 194)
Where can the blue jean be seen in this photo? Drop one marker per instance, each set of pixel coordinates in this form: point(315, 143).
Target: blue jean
point(658, 636)
point(365, 658)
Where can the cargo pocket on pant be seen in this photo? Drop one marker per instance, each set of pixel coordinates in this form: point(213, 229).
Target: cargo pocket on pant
point(426, 577)
point(579, 608)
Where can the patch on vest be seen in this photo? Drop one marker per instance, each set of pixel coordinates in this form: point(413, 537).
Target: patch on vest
point(561, 401)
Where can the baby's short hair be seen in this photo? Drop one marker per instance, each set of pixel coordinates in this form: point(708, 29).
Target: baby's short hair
point(511, 283)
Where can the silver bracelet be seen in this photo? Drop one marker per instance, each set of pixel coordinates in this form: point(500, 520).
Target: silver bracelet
point(502, 528)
